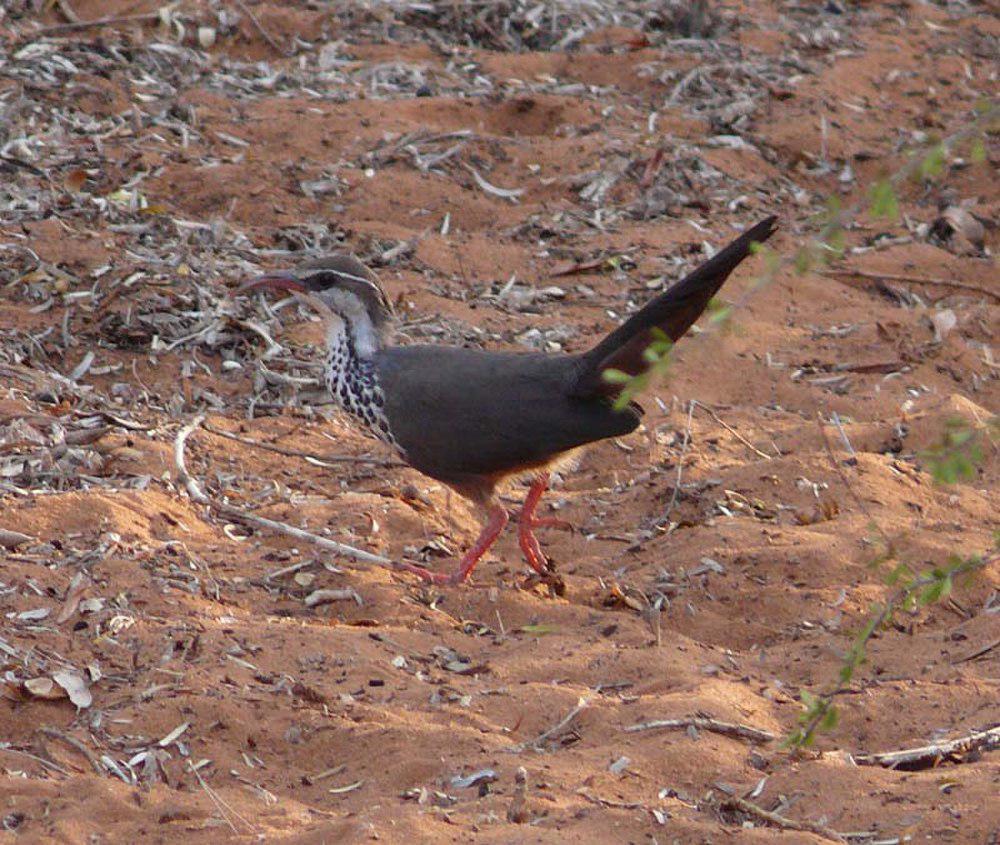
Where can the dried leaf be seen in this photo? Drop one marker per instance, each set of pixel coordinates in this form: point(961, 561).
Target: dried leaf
point(943, 322)
point(76, 688)
point(566, 268)
point(174, 735)
point(504, 193)
point(12, 539)
point(74, 594)
point(340, 790)
point(318, 597)
point(482, 776)
point(44, 688)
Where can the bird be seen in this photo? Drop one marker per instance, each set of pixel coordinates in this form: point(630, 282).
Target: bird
point(477, 419)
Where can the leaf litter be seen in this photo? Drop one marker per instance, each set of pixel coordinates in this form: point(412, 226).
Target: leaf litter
point(117, 326)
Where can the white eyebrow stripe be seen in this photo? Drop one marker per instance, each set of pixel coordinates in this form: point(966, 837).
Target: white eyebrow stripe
point(342, 274)
point(373, 286)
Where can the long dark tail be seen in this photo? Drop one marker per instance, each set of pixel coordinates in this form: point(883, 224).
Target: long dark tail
point(673, 312)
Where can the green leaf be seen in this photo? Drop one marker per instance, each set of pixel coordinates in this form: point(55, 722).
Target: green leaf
point(721, 315)
point(933, 163)
point(977, 155)
point(830, 719)
point(803, 260)
point(613, 376)
point(539, 629)
point(884, 202)
point(936, 591)
point(956, 455)
point(794, 739)
point(898, 571)
point(836, 243)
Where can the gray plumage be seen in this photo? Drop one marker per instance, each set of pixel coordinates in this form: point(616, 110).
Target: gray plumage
point(470, 418)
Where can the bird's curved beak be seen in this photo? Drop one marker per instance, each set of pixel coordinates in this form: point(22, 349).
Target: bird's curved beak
point(278, 280)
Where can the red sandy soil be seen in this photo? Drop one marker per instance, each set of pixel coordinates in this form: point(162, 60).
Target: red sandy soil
point(762, 564)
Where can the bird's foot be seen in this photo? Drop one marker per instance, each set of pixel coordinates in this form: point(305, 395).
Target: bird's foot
point(487, 537)
point(526, 517)
point(549, 578)
point(552, 522)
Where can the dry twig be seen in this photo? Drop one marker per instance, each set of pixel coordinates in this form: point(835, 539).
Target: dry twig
point(557, 728)
point(680, 463)
point(731, 430)
point(917, 280)
point(74, 743)
point(274, 45)
point(704, 724)
point(330, 545)
point(220, 805)
point(296, 453)
point(47, 764)
point(928, 756)
point(734, 802)
point(979, 652)
point(196, 493)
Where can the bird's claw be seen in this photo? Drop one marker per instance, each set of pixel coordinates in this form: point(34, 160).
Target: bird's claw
point(553, 522)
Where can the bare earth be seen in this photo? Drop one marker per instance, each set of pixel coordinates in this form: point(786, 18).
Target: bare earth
point(145, 172)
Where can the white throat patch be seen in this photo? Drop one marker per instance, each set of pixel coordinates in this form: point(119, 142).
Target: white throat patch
point(353, 313)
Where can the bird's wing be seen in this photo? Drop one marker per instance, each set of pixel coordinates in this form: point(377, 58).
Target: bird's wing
point(458, 412)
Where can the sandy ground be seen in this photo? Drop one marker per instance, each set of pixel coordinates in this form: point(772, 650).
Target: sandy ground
point(146, 171)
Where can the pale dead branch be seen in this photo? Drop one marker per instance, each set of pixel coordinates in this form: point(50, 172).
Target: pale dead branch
point(556, 729)
point(915, 280)
point(196, 493)
point(734, 802)
point(731, 430)
point(312, 458)
point(701, 723)
point(929, 756)
point(75, 744)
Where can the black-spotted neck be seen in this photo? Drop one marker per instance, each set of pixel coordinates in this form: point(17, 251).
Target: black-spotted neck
point(351, 374)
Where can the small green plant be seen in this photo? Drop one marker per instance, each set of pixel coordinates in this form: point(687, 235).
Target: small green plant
point(932, 164)
point(657, 355)
point(955, 457)
point(884, 203)
point(819, 712)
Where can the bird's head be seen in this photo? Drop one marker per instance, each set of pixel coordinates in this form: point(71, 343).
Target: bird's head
point(337, 286)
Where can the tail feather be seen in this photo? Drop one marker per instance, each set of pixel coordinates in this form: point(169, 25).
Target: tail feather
point(673, 312)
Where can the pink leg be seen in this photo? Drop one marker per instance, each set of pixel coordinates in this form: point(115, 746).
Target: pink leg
point(487, 537)
point(527, 521)
point(527, 512)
